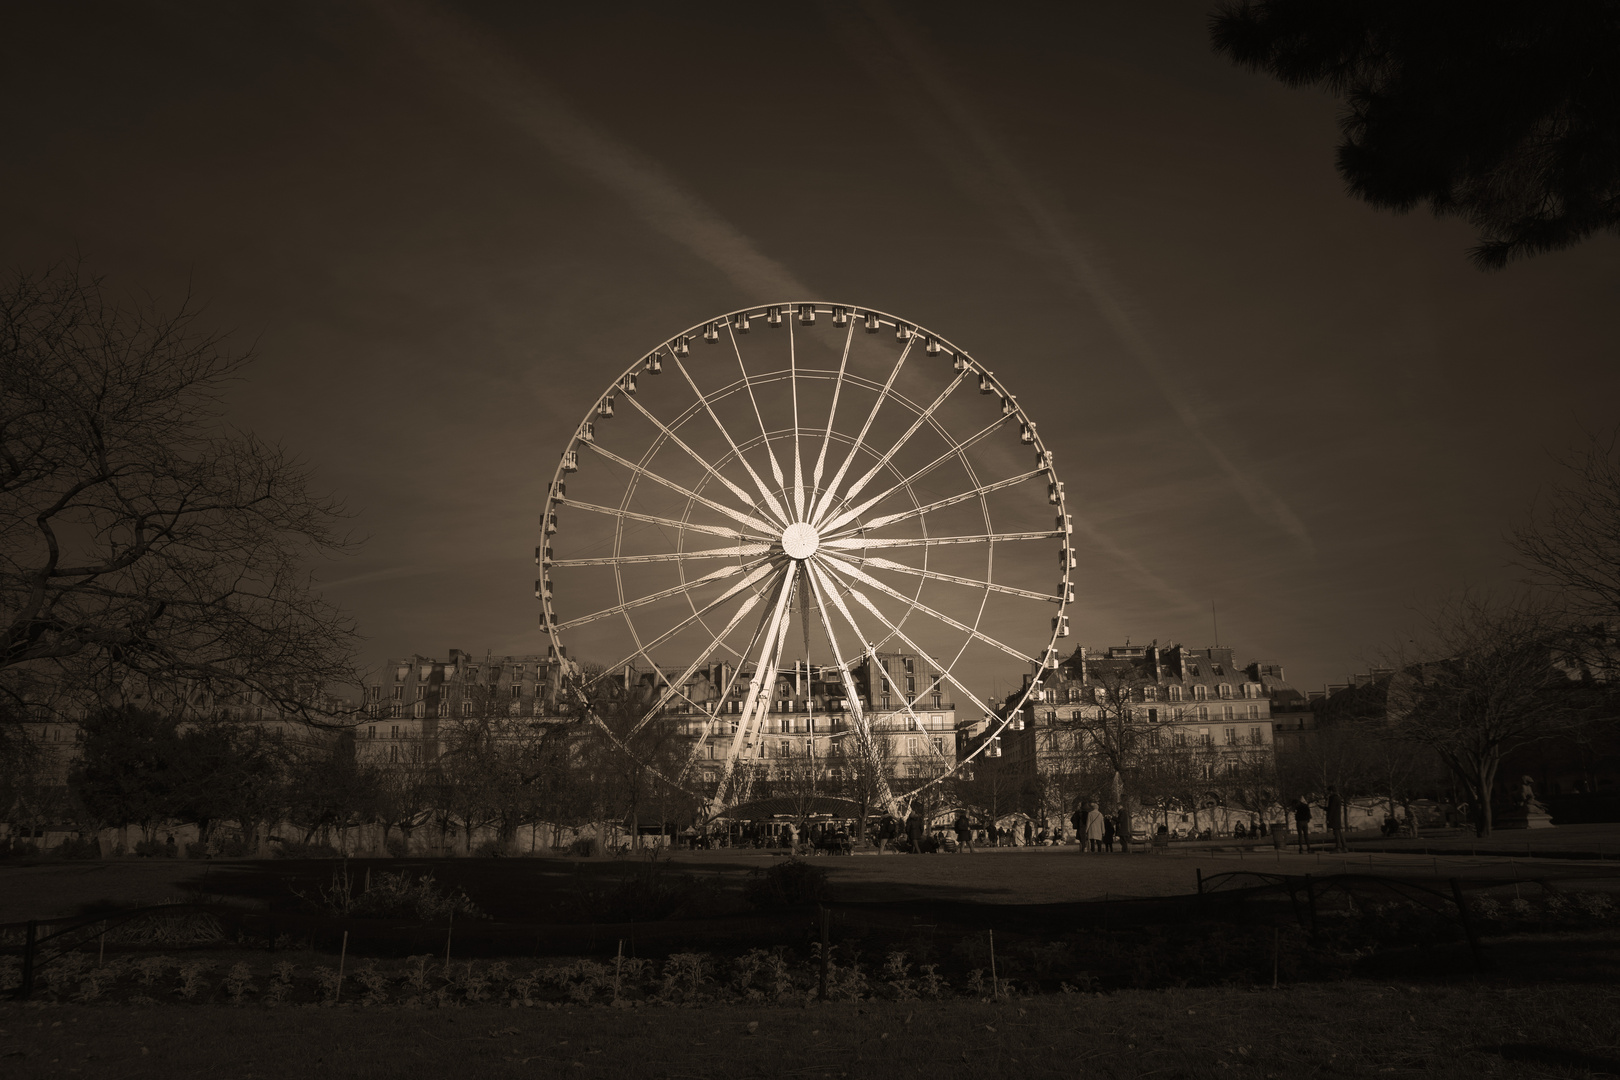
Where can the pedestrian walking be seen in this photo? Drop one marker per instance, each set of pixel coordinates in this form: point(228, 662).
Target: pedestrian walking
point(1302, 824)
point(914, 832)
point(1078, 820)
point(964, 833)
point(1335, 818)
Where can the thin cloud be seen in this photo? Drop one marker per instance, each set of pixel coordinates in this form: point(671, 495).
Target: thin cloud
point(483, 67)
point(1009, 182)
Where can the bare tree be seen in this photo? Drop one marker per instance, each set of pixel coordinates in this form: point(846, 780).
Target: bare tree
point(863, 762)
point(1116, 732)
point(1573, 544)
point(1493, 676)
point(140, 535)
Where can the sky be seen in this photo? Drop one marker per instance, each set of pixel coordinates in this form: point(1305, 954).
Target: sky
point(444, 229)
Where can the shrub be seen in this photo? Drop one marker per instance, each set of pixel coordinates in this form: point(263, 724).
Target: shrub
point(17, 849)
point(491, 849)
point(585, 847)
point(396, 896)
point(786, 884)
point(149, 848)
point(78, 847)
point(398, 847)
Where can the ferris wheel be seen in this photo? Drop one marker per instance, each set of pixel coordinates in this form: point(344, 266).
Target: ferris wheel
point(806, 521)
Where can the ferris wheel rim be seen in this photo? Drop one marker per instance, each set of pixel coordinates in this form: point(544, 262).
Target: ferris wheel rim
point(819, 576)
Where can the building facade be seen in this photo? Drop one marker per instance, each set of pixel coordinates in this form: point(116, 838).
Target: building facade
point(1194, 709)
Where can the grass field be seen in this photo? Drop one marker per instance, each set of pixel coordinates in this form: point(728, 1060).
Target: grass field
point(515, 888)
point(1353, 1029)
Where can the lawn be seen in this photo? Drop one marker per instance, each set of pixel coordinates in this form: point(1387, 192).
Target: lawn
point(1351, 1029)
point(535, 889)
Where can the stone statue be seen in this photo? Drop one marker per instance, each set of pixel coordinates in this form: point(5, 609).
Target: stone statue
point(1527, 796)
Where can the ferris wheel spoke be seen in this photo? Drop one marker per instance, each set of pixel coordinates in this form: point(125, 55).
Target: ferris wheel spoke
point(776, 467)
point(741, 551)
point(866, 639)
point(798, 457)
point(643, 650)
point(863, 724)
point(671, 689)
point(922, 418)
point(940, 504)
point(855, 543)
point(712, 578)
point(935, 575)
point(764, 491)
point(725, 481)
point(641, 470)
point(861, 575)
point(860, 440)
point(654, 519)
point(900, 635)
point(956, 451)
point(832, 411)
point(767, 651)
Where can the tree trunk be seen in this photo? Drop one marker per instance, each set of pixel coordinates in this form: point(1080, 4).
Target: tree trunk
point(1487, 781)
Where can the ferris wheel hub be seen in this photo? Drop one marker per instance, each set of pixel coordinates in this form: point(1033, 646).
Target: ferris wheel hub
point(800, 540)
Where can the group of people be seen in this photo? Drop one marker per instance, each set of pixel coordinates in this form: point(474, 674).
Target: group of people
point(1095, 829)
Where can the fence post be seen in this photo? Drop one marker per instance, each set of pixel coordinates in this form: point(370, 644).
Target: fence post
point(1310, 899)
point(826, 957)
point(27, 986)
point(1468, 927)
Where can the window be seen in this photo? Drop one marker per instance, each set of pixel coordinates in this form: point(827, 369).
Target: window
point(939, 745)
point(1203, 712)
point(1175, 693)
point(421, 710)
point(517, 672)
point(399, 692)
point(936, 699)
point(517, 691)
point(911, 685)
point(1180, 738)
point(495, 674)
point(1255, 736)
point(1203, 736)
point(1078, 715)
point(466, 708)
point(472, 673)
point(1153, 716)
point(395, 710)
point(1225, 689)
point(1231, 736)
point(420, 690)
point(1150, 693)
point(913, 746)
point(371, 732)
point(443, 709)
point(1153, 739)
point(1226, 712)
point(786, 725)
point(1254, 712)
point(393, 754)
point(1200, 693)
point(910, 668)
point(1217, 669)
point(1195, 671)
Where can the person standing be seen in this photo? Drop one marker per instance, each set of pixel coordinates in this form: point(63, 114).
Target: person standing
point(1094, 831)
point(1335, 818)
point(1302, 824)
point(1029, 834)
point(1078, 820)
point(1108, 834)
point(914, 832)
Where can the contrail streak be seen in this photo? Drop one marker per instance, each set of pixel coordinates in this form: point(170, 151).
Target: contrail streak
point(924, 72)
point(487, 70)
